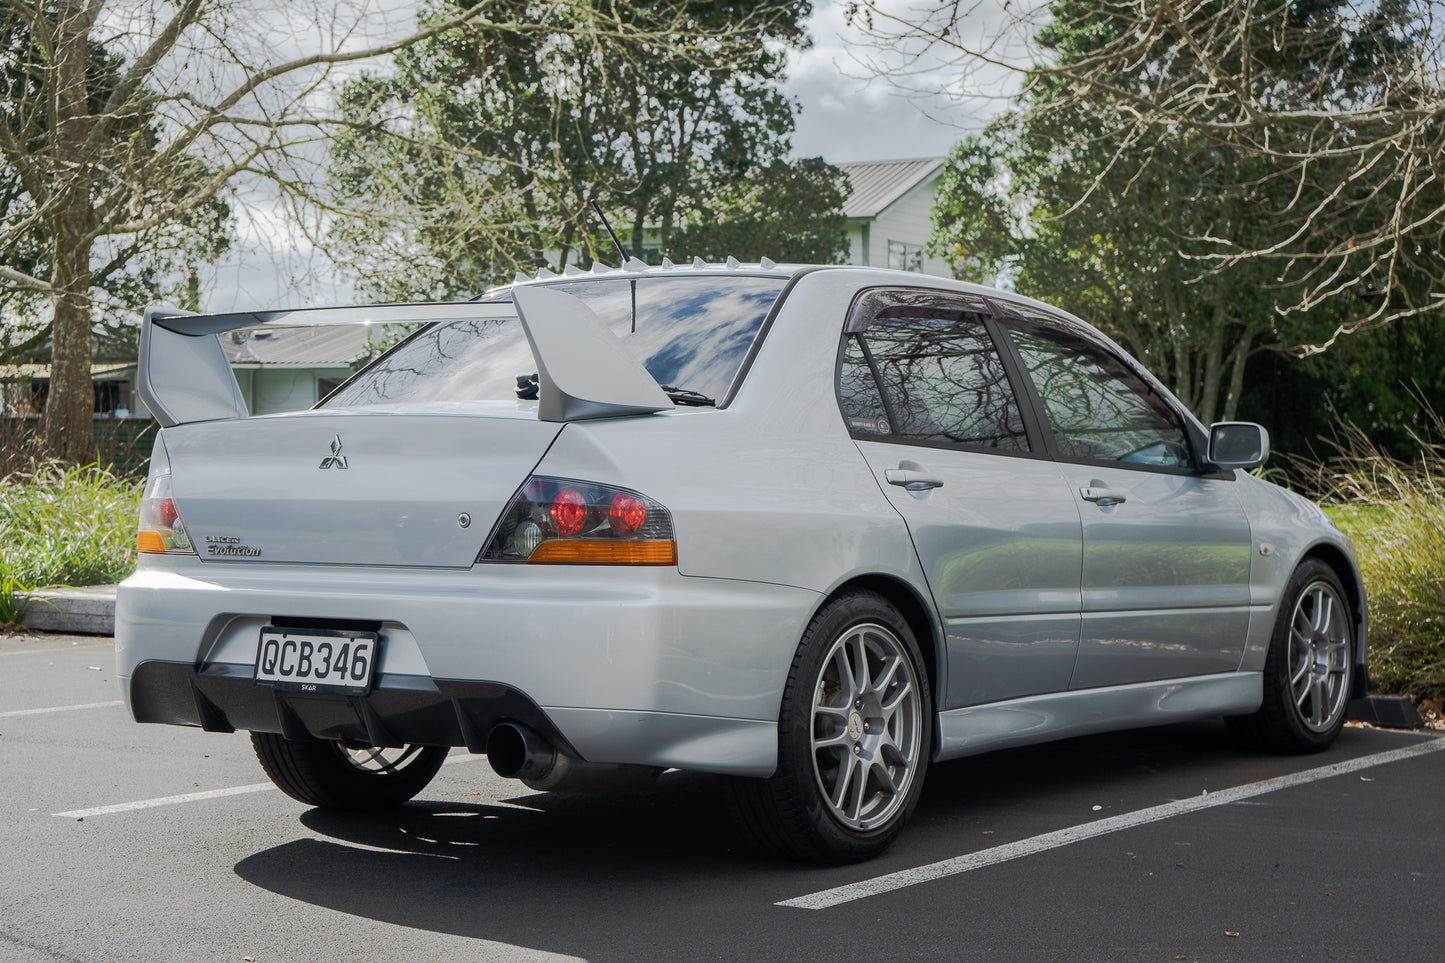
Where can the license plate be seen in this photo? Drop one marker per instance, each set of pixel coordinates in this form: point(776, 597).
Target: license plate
point(316, 660)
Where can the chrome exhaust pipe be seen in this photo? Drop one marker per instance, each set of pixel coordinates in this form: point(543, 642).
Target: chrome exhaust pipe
point(516, 752)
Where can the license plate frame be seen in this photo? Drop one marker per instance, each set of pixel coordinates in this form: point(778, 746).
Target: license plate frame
point(280, 666)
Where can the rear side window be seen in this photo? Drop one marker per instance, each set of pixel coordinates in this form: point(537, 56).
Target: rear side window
point(925, 370)
point(689, 332)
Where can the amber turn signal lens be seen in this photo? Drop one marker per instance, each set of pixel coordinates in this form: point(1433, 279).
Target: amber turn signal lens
point(604, 552)
point(150, 542)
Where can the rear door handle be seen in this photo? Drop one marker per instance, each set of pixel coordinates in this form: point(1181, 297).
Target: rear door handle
point(1104, 497)
point(914, 481)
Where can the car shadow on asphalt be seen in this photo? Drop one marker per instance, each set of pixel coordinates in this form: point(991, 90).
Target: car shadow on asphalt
point(617, 876)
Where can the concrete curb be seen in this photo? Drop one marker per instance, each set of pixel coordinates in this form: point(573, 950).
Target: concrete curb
point(89, 610)
point(1387, 712)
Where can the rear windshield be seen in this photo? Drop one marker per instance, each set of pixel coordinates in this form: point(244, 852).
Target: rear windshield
point(690, 333)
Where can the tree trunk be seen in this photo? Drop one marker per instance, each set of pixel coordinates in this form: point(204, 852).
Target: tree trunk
point(69, 431)
point(635, 248)
point(1239, 358)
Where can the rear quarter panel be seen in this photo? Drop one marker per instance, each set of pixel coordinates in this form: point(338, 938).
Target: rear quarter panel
point(771, 488)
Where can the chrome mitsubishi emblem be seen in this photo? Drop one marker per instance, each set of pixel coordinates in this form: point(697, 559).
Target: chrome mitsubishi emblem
point(337, 459)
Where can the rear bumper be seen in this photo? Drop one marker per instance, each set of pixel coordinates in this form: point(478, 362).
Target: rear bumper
point(639, 665)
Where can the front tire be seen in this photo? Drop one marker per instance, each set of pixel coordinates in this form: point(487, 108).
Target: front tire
point(328, 774)
point(854, 737)
point(1309, 670)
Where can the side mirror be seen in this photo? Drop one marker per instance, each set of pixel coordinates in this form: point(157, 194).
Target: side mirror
point(1238, 444)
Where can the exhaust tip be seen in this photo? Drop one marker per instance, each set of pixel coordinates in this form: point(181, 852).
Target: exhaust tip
point(514, 752)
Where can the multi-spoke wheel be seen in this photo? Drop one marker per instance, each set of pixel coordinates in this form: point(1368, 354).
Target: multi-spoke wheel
point(866, 726)
point(1318, 657)
point(333, 776)
point(853, 738)
point(1309, 671)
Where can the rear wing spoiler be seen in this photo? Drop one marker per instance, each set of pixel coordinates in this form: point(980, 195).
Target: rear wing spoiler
point(583, 371)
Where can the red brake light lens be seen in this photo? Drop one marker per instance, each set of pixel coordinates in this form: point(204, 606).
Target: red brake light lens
point(626, 514)
point(568, 512)
point(166, 512)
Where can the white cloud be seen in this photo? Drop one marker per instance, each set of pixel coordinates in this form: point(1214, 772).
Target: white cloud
point(863, 100)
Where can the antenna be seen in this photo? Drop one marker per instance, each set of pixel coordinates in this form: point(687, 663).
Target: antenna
point(612, 234)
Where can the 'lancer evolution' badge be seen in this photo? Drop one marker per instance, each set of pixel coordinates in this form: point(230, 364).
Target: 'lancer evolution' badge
point(337, 459)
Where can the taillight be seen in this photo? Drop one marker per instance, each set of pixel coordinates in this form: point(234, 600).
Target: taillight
point(568, 512)
point(556, 521)
point(161, 530)
point(627, 513)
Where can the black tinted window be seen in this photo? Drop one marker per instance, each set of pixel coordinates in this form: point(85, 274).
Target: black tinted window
point(689, 332)
point(940, 376)
point(858, 395)
point(1098, 407)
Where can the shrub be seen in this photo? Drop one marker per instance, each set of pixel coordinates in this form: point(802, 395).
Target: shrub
point(1395, 512)
point(63, 525)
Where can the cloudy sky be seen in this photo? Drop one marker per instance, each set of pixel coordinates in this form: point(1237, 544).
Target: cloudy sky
point(845, 113)
point(848, 113)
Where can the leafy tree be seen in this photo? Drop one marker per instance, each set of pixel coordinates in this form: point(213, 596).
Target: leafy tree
point(1127, 228)
point(1388, 383)
point(787, 212)
point(117, 154)
point(1030, 203)
point(130, 270)
point(478, 155)
point(1342, 102)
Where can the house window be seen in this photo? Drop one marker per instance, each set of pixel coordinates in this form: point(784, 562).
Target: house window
point(905, 257)
point(28, 397)
point(324, 386)
point(18, 397)
point(111, 396)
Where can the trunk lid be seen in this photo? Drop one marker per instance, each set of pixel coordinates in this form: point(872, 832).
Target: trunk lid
point(380, 485)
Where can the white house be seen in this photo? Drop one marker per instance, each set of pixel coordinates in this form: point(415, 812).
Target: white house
point(890, 214)
point(286, 369)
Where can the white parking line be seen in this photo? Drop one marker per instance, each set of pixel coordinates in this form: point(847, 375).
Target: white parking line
point(204, 794)
point(184, 797)
point(13, 713)
point(1074, 834)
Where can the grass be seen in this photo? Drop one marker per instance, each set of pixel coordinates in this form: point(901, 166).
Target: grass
point(12, 600)
point(1395, 512)
point(62, 525)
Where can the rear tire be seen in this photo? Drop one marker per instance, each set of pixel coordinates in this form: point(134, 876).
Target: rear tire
point(1309, 671)
point(854, 737)
point(329, 775)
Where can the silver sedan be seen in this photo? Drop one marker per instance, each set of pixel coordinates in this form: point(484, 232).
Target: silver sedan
point(808, 528)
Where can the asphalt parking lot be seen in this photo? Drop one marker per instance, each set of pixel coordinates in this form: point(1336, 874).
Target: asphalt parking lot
point(127, 842)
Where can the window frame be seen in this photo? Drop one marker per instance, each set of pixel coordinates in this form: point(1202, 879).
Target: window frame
point(866, 308)
point(1009, 317)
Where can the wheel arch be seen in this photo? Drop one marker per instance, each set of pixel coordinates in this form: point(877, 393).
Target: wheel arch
point(1344, 568)
point(919, 615)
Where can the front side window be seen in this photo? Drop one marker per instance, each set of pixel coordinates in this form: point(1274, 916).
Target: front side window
point(926, 371)
point(689, 333)
point(1099, 408)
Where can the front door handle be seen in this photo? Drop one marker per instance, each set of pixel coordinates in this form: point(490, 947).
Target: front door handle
point(914, 481)
point(1104, 497)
